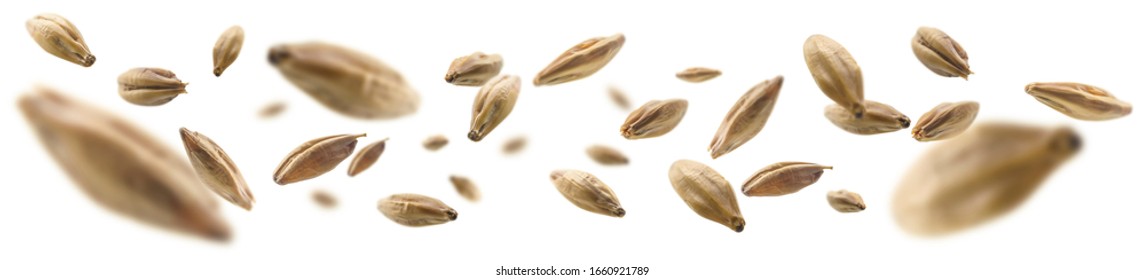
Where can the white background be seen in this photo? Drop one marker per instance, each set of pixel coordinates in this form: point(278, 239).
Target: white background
point(1084, 222)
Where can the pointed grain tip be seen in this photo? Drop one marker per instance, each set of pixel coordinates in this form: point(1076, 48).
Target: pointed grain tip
point(716, 154)
point(218, 234)
point(619, 212)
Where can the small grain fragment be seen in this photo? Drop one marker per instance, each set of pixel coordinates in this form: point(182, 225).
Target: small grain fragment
point(465, 187)
point(514, 145)
point(324, 199)
point(606, 155)
point(619, 98)
point(698, 74)
point(272, 109)
point(435, 142)
point(367, 157)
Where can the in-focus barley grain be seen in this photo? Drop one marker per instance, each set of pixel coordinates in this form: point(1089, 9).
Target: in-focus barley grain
point(315, 157)
point(783, 178)
point(150, 86)
point(707, 193)
point(215, 168)
point(227, 48)
point(415, 210)
point(654, 119)
point(56, 35)
point(945, 121)
point(1080, 101)
point(580, 61)
point(474, 69)
point(587, 192)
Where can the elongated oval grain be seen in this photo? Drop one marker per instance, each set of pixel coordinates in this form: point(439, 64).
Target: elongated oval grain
point(324, 199)
point(492, 105)
point(514, 145)
point(121, 167)
point(746, 118)
point(580, 61)
point(215, 168)
point(59, 37)
point(315, 157)
point(981, 175)
point(939, 53)
point(587, 192)
point(227, 48)
point(367, 157)
point(346, 81)
point(835, 72)
point(606, 155)
point(435, 142)
point(272, 109)
point(654, 119)
point(619, 98)
point(465, 187)
point(698, 74)
point(945, 121)
point(783, 178)
point(1079, 101)
point(707, 193)
point(415, 210)
point(150, 86)
point(845, 201)
point(879, 118)
point(474, 69)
